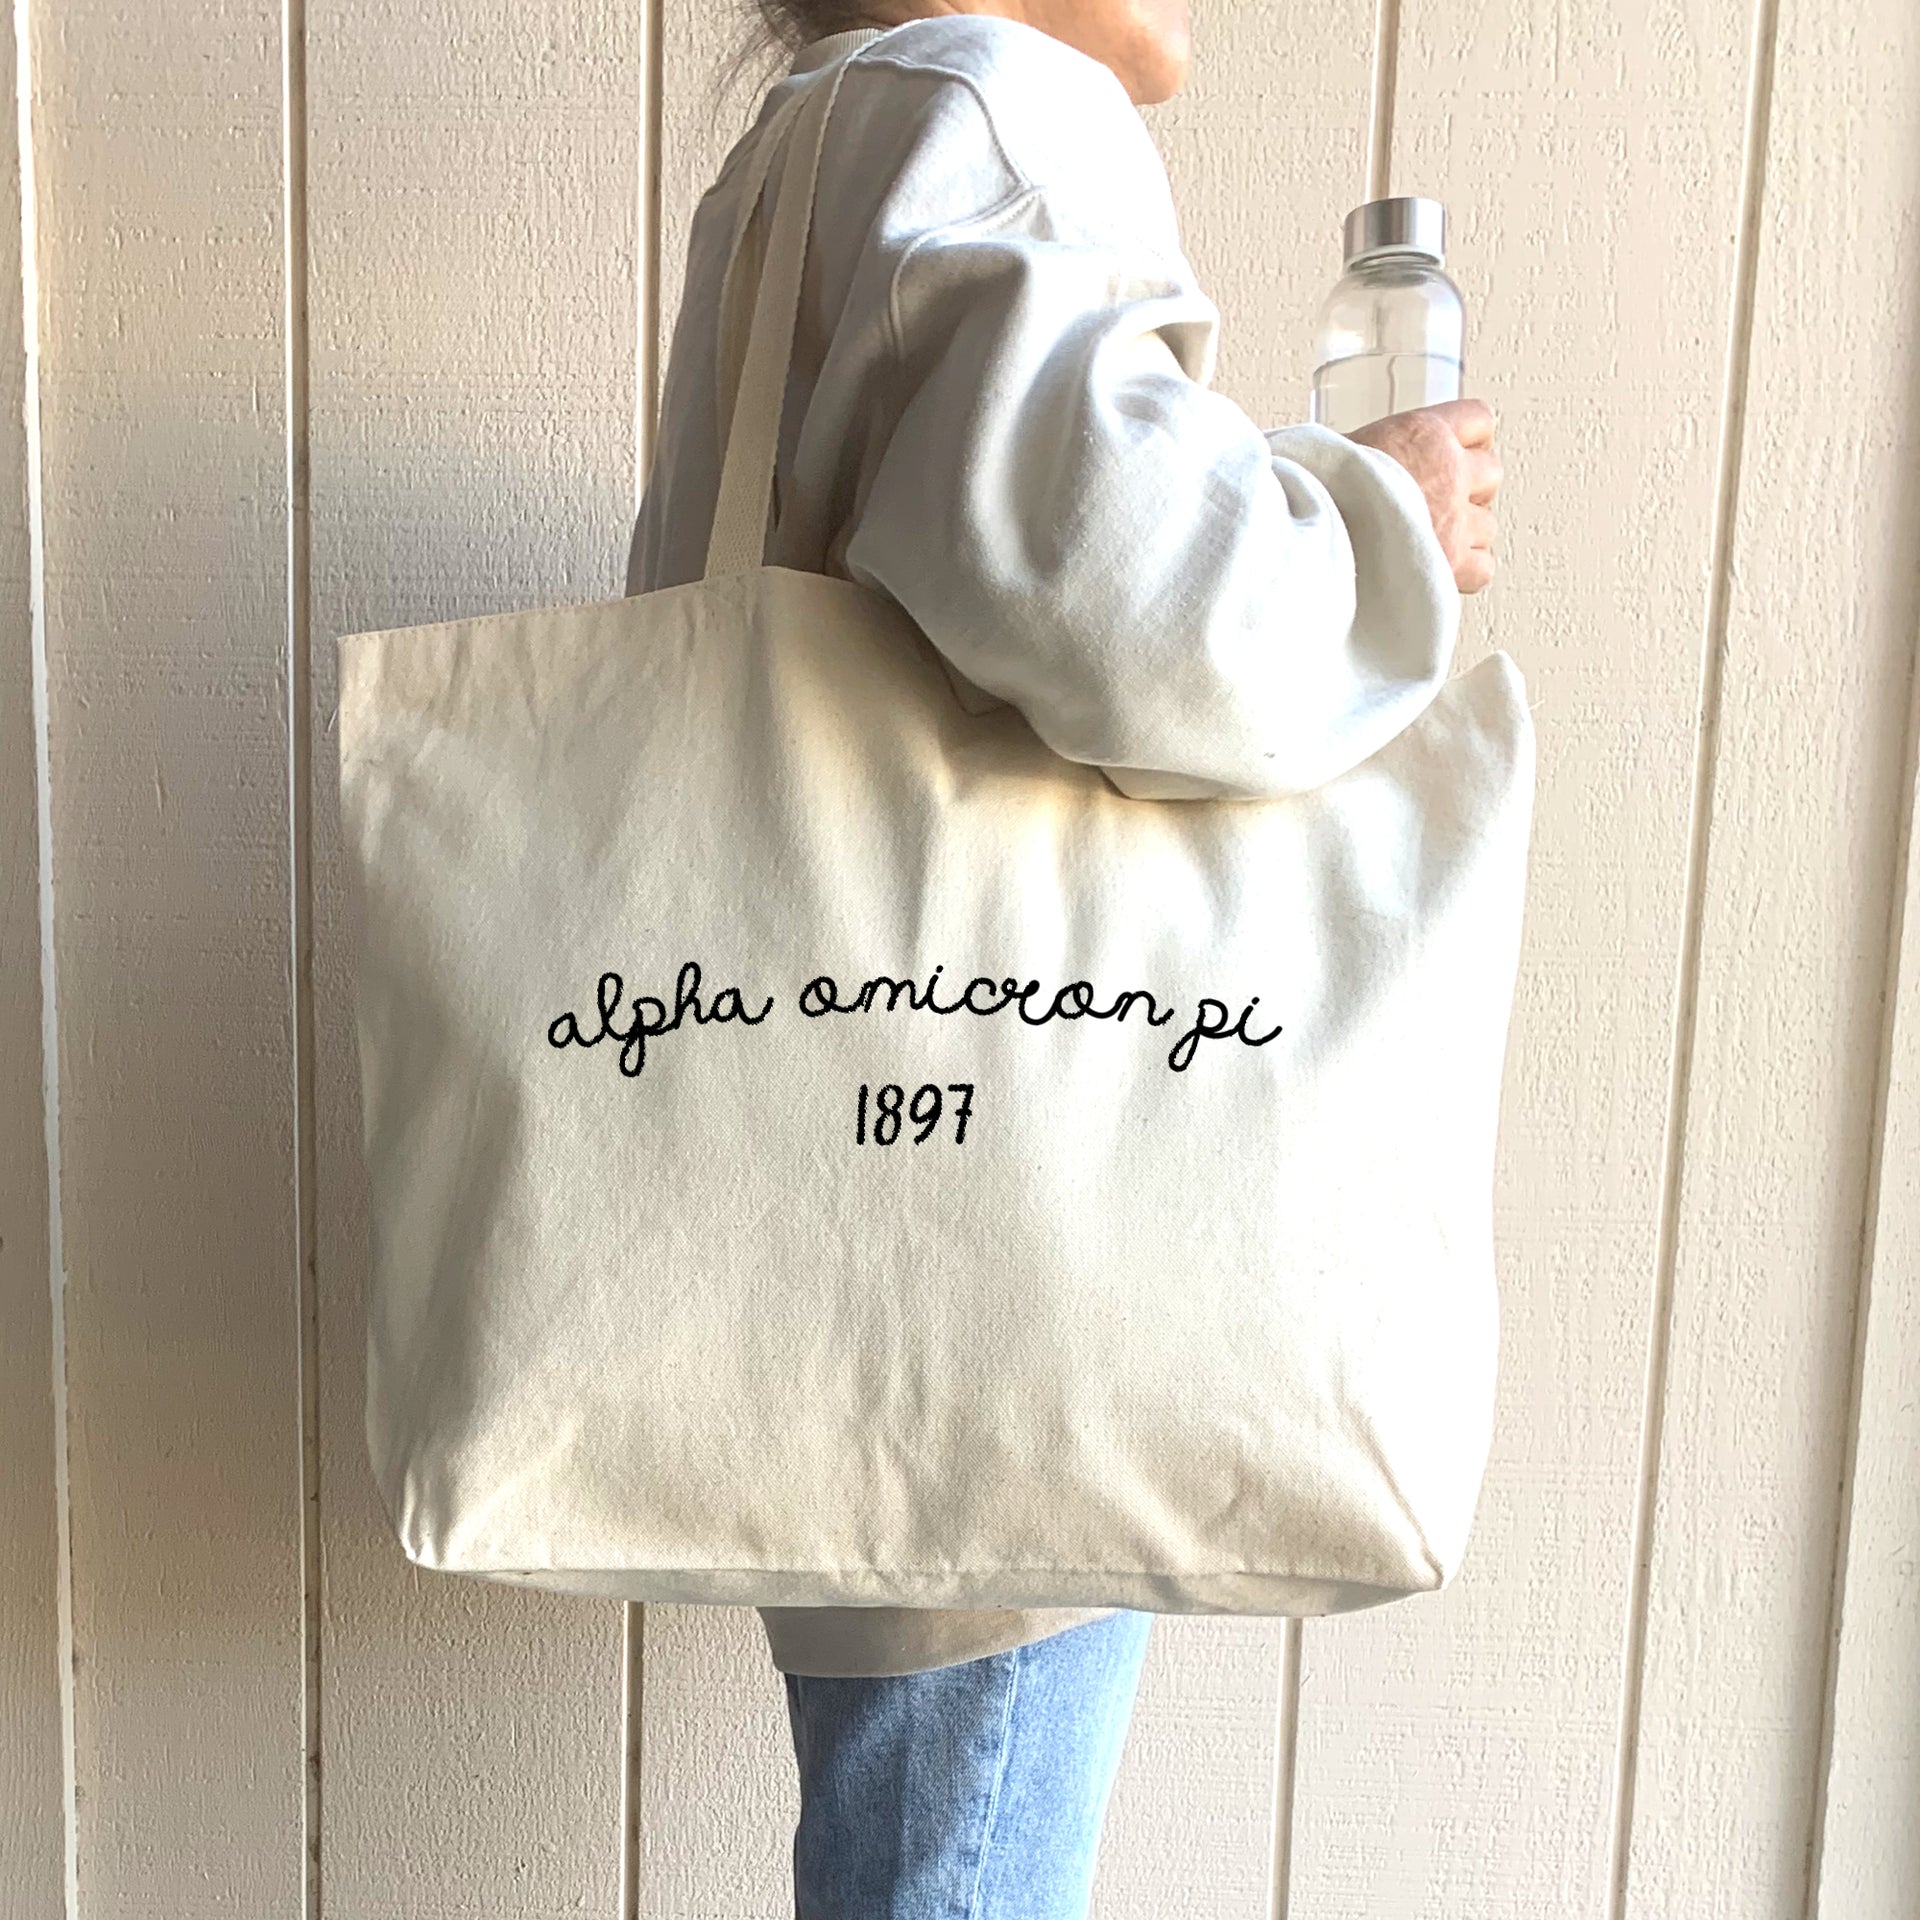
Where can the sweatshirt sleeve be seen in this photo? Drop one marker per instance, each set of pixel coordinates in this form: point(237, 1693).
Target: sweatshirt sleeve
point(1083, 527)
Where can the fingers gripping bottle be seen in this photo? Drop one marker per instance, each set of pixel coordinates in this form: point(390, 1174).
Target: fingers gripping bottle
point(1390, 335)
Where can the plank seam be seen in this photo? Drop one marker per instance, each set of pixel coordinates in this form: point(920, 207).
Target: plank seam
point(299, 671)
point(1386, 68)
point(646, 388)
point(1286, 1766)
point(1687, 972)
point(633, 1672)
point(647, 356)
point(49, 970)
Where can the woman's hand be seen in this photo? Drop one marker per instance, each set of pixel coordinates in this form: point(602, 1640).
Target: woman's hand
point(1448, 449)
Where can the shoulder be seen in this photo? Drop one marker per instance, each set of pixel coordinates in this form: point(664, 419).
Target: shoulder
point(1046, 116)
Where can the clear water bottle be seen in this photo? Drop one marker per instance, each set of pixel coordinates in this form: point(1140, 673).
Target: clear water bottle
point(1390, 335)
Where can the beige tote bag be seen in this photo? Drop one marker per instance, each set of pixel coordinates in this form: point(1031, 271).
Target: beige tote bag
point(823, 1148)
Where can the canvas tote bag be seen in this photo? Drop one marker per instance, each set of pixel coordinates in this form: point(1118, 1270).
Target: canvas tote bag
point(823, 1148)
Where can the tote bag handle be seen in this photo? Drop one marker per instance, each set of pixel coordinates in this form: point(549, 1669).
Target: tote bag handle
point(738, 541)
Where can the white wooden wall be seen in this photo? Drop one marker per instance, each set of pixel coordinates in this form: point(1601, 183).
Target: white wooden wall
point(321, 315)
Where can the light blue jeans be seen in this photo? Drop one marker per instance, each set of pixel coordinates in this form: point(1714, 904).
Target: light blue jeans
point(974, 1791)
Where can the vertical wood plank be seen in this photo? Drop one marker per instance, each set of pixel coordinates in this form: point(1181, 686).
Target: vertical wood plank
point(32, 1836)
point(719, 1793)
point(1869, 1844)
point(1457, 1752)
point(158, 155)
point(1809, 787)
point(472, 172)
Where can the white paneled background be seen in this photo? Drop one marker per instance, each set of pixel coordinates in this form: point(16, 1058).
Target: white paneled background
point(325, 315)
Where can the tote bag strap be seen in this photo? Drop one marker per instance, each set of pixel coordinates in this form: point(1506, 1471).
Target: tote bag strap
point(744, 254)
point(738, 541)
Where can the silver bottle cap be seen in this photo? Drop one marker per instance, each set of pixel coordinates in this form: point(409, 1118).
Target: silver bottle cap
point(1404, 224)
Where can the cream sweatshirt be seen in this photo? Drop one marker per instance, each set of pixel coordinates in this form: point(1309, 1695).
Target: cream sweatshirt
point(1000, 416)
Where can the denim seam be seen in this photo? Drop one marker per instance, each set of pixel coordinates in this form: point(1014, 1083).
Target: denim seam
point(999, 1776)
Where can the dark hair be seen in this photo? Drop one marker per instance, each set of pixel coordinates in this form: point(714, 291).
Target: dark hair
point(778, 29)
point(792, 23)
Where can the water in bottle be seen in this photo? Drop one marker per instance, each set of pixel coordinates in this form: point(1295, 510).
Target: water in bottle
point(1391, 333)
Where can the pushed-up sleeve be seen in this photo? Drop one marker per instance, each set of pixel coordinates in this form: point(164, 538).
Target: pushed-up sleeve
point(1083, 527)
